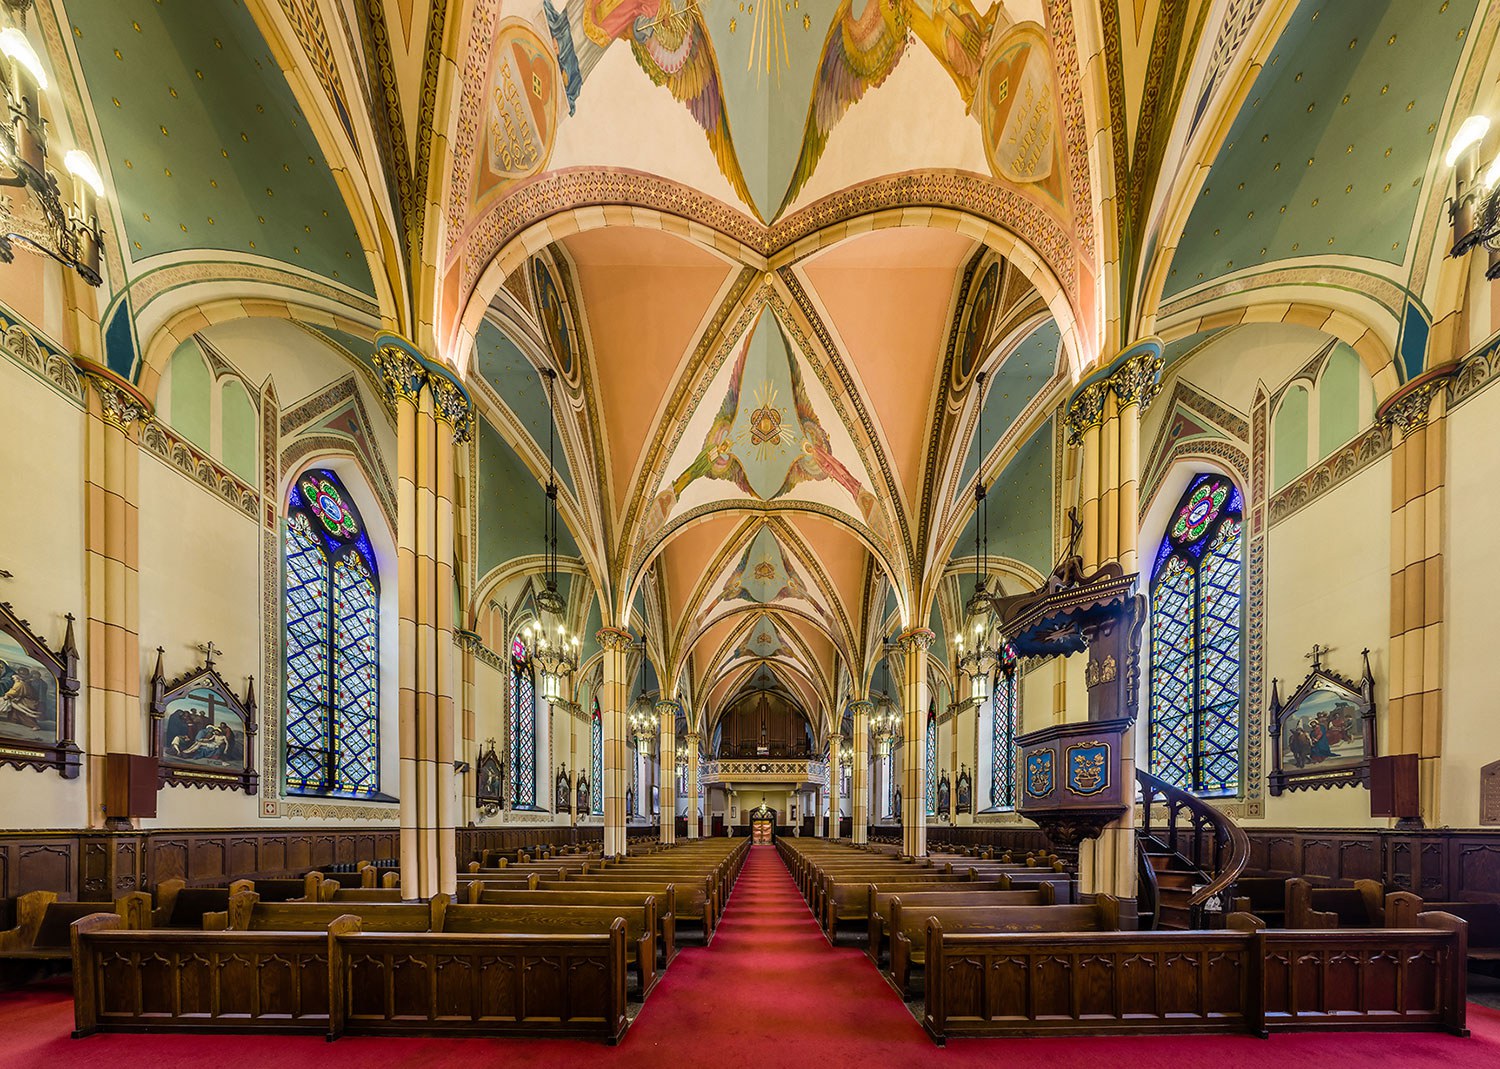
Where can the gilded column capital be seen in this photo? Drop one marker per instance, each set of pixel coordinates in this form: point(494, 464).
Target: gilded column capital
point(123, 405)
point(861, 708)
point(402, 369)
point(667, 707)
point(915, 638)
point(613, 640)
point(451, 404)
point(1409, 407)
point(1134, 377)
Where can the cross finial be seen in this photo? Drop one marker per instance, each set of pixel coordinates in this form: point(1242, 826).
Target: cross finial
point(1316, 655)
point(209, 651)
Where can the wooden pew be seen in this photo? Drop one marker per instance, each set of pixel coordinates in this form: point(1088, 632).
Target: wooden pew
point(1483, 938)
point(531, 919)
point(247, 913)
point(908, 928)
point(345, 980)
point(916, 896)
point(663, 904)
point(42, 924)
point(691, 895)
point(1362, 906)
point(176, 905)
point(335, 893)
point(1264, 896)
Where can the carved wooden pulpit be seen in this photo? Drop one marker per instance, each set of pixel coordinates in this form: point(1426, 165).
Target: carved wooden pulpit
point(1072, 780)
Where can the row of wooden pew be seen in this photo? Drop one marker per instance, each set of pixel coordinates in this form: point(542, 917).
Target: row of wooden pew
point(992, 964)
point(553, 946)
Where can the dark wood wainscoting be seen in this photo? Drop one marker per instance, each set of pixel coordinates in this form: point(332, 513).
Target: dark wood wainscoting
point(1444, 865)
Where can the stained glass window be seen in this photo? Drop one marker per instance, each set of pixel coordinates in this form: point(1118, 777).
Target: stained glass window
point(522, 726)
point(1195, 641)
point(332, 642)
point(888, 767)
point(1004, 714)
point(596, 776)
point(930, 753)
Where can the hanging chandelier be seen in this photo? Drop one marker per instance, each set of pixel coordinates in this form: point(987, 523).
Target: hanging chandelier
point(555, 658)
point(979, 643)
point(885, 720)
point(1474, 209)
point(69, 233)
point(642, 719)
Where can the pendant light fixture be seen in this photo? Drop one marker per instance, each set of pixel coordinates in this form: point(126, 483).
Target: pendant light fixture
point(555, 653)
point(982, 655)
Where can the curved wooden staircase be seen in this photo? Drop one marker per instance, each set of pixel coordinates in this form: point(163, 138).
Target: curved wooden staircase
point(1190, 861)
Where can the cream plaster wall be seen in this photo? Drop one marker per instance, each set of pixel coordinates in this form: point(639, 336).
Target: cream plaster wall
point(199, 581)
point(42, 544)
point(1471, 728)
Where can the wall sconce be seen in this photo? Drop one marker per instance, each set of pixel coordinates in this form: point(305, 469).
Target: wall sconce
point(69, 234)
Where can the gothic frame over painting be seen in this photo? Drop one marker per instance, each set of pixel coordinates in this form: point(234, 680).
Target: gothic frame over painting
point(1300, 730)
point(489, 777)
point(38, 696)
point(194, 745)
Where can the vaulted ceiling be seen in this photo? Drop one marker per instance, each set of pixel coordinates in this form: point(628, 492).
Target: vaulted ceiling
point(769, 249)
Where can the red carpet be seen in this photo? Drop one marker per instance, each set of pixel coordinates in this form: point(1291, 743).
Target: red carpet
point(769, 992)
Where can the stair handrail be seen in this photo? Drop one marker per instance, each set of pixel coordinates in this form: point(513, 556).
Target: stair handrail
point(1231, 846)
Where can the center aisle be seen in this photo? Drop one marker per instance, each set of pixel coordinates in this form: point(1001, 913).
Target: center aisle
point(769, 993)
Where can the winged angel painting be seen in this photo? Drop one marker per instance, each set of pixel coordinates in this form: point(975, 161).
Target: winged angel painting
point(1000, 68)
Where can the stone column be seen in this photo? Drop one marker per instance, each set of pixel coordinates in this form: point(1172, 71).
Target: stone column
point(1419, 443)
point(666, 710)
point(1104, 418)
point(835, 743)
point(616, 646)
point(432, 417)
point(692, 738)
point(914, 697)
point(859, 791)
point(117, 411)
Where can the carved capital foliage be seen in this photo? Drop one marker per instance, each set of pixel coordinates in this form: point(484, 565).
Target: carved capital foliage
point(1135, 379)
point(861, 708)
point(1409, 410)
point(452, 406)
point(667, 707)
point(123, 406)
point(916, 638)
point(400, 371)
point(613, 640)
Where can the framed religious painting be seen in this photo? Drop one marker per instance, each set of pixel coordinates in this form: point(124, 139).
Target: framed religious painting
point(38, 696)
point(489, 777)
point(1323, 735)
point(965, 801)
point(944, 795)
point(584, 800)
point(203, 734)
point(564, 791)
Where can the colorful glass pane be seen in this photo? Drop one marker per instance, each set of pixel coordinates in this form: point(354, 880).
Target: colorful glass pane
point(322, 496)
point(1196, 659)
point(307, 654)
point(522, 730)
point(930, 753)
point(1003, 741)
point(596, 776)
point(332, 613)
point(356, 676)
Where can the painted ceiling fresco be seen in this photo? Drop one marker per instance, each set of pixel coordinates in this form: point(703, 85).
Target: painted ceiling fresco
point(766, 81)
point(765, 573)
point(766, 431)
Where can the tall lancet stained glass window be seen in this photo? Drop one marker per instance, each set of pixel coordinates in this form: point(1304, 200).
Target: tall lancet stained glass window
point(1196, 657)
point(332, 642)
point(596, 775)
point(930, 748)
point(522, 726)
point(1004, 710)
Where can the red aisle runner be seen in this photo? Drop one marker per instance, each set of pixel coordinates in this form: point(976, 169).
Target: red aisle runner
point(768, 993)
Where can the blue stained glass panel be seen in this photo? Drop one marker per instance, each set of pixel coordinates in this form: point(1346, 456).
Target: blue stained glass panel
point(1196, 632)
point(522, 728)
point(356, 676)
point(307, 610)
point(1003, 742)
point(931, 748)
point(596, 776)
